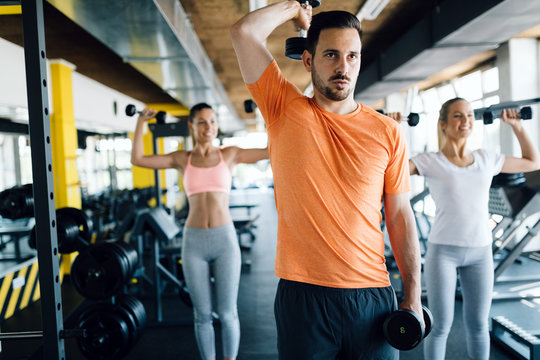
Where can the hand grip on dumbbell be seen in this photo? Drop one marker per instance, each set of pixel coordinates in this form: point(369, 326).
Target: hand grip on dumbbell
point(132, 110)
point(412, 119)
point(295, 46)
point(525, 113)
point(403, 329)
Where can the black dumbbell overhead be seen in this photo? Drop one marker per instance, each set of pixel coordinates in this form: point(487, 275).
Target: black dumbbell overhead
point(132, 110)
point(295, 46)
point(403, 328)
point(249, 106)
point(525, 113)
point(412, 119)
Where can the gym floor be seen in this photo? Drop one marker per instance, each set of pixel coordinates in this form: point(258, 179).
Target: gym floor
point(255, 306)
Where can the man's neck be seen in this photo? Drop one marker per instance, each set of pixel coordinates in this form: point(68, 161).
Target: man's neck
point(342, 107)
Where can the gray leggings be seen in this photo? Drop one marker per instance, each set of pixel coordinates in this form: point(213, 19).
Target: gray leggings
point(475, 266)
point(205, 253)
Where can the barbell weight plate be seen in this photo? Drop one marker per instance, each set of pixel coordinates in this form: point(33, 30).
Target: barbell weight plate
point(129, 255)
point(99, 272)
point(68, 234)
point(108, 334)
point(136, 311)
point(81, 219)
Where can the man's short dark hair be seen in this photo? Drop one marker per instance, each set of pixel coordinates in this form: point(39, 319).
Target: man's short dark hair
point(330, 20)
point(195, 110)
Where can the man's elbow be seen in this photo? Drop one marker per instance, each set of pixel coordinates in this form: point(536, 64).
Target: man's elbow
point(237, 31)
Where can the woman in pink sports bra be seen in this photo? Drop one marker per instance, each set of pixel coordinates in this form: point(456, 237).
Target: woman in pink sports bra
point(210, 246)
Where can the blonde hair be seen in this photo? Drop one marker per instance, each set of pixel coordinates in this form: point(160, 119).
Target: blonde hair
point(443, 118)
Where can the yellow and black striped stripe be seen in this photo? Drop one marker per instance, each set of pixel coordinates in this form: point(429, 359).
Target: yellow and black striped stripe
point(20, 287)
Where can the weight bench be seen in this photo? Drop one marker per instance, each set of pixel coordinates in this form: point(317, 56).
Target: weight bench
point(245, 227)
point(163, 231)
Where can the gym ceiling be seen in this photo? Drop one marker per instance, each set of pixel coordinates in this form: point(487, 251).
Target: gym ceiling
point(171, 51)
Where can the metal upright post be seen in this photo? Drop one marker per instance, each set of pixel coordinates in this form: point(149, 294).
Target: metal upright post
point(43, 186)
point(156, 173)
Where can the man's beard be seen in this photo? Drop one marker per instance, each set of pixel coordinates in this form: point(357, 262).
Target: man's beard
point(331, 94)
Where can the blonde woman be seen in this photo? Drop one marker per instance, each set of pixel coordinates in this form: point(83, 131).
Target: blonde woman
point(460, 239)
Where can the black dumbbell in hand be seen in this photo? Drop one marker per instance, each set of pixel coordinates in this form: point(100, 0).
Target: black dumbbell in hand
point(525, 113)
point(403, 328)
point(295, 46)
point(132, 110)
point(412, 119)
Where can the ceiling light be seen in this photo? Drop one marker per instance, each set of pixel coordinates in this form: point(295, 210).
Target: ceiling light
point(371, 9)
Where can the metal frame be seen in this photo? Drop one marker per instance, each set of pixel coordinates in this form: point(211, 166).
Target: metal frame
point(43, 185)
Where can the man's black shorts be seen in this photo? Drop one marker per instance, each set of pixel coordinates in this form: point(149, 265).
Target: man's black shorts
point(317, 322)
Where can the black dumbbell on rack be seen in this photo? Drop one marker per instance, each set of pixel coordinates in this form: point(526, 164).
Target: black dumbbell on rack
point(132, 110)
point(403, 329)
point(412, 119)
point(295, 46)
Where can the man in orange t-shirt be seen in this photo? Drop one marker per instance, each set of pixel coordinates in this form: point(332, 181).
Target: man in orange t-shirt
point(333, 160)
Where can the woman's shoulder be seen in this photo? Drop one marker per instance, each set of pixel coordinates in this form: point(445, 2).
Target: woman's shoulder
point(427, 155)
point(180, 157)
point(488, 156)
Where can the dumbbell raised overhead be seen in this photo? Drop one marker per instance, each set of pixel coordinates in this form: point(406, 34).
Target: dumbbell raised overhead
point(487, 114)
point(295, 46)
point(525, 113)
point(412, 119)
point(132, 110)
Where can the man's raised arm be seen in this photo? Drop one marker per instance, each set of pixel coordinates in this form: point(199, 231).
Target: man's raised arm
point(250, 32)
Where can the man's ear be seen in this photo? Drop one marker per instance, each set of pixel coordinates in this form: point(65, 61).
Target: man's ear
point(307, 60)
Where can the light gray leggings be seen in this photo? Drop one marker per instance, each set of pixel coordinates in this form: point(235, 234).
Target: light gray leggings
point(475, 267)
point(213, 249)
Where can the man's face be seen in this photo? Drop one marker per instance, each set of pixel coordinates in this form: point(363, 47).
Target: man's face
point(336, 63)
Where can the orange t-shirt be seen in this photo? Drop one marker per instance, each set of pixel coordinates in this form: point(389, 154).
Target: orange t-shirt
point(330, 172)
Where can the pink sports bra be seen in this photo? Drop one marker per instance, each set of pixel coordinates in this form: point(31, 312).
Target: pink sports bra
point(212, 179)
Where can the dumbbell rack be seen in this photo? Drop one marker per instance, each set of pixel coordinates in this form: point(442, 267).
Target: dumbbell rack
point(518, 205)
point(515, 339)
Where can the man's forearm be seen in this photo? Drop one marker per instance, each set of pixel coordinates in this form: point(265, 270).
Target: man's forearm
point(260, 23)
point(250, 32)
point(401, 227)
point(407, 254)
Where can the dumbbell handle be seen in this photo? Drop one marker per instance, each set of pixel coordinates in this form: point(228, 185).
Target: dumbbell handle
point(131, 110)
point(303, 32)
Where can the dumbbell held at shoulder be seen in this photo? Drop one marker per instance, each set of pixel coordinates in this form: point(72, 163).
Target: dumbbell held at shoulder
point(412, 119)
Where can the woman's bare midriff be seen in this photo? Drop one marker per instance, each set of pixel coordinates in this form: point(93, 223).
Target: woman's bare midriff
point(208, 210)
